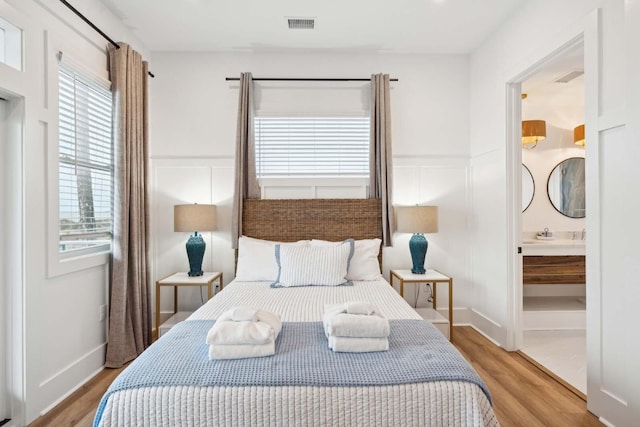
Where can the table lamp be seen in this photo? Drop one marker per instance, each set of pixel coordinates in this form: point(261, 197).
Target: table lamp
point(194, 218)
point(417, 220)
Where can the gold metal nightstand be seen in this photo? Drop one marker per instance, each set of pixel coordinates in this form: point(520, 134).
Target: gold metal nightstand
point(183, 279)
point(431, 276)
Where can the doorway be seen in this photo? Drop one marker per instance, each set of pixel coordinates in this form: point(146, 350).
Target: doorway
point(549, 295)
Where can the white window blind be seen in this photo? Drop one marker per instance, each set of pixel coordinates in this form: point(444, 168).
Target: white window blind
point(312, 146)
point(85, 161)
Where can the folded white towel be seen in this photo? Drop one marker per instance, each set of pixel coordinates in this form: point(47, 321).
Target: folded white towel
point(272, 319)
point(261, 316)
point(228, 332)
point(356, 326)
point(243, 313)
point(358, 345)
point(361, 307)
point(241, 351)
point(355, 319)
point(352, 307)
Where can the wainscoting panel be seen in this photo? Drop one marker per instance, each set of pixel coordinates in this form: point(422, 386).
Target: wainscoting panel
point(183, 181)
point(441, 182)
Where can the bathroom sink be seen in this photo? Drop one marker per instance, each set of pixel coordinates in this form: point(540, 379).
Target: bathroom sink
point(554, 242)
point(530, 241)
point(557, 247)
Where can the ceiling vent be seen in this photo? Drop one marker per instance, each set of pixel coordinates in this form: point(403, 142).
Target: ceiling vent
point(301, 23)
point(568, 77)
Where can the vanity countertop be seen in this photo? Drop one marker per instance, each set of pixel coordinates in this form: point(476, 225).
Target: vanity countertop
point(553, 247)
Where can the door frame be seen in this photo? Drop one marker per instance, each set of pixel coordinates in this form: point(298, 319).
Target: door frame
point(514, 177)
point(12, 227)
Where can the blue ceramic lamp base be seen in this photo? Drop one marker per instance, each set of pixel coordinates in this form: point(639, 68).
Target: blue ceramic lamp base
point(418, 247)
point(195, 252)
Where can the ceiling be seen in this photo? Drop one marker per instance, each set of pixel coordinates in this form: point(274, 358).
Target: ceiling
point(560, 104)
point(371, 26)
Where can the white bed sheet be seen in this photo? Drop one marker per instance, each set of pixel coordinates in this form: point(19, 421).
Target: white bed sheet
point(442, 403)
point(305, 303)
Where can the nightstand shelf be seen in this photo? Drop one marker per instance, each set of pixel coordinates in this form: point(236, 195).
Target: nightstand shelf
point(183, 279)
point(172, 321)
point(430, 314)
point(438, 320)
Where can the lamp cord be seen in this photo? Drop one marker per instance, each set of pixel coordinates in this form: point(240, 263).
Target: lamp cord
point(416, 292)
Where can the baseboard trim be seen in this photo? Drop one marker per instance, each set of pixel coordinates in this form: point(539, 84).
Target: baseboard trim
point(72, 364)
point(489, 328)
point(63, 383)
point(485, 335)
point(605, 422)
point(487, 318)
point(70, 392)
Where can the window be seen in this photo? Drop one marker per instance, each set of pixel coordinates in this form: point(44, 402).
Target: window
point(312, 146)
point(85, 162)
point(10, 44)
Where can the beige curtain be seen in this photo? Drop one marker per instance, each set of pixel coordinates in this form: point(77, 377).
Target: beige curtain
point(380, 157)
point(246, 182)
point(129, 316)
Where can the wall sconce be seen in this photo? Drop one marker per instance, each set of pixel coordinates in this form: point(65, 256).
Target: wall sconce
point(533, 131)
point(578, 136)
point(194, 218)
point(417, 220)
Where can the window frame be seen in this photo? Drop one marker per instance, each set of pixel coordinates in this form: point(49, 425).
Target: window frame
point(60, 263)
point(94, 162)
point(12, 44)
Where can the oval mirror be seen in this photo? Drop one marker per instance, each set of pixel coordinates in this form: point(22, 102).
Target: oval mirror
point(528, 188)
point(566, 187)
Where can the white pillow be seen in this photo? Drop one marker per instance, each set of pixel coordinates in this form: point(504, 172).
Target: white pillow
point(364, 264)
point(313, 266)
point(257, 259)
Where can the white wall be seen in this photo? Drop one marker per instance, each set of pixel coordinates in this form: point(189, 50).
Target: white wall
point(193, 126)
point(541, 160)
point(57, 340)
point(613, 119)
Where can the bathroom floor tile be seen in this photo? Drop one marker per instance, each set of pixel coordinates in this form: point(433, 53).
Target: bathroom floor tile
point(562, 352)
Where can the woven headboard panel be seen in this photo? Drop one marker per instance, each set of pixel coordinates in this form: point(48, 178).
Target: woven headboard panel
point(298, 219)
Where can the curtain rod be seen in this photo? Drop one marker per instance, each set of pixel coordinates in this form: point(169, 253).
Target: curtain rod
point(94, 27)
point(303, 79)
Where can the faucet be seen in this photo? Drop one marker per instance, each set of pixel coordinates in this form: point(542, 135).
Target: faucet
point(584, 234)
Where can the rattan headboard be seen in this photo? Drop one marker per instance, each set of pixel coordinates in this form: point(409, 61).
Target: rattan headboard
point(297, 219)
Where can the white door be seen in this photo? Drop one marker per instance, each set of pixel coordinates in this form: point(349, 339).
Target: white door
point(4, 410)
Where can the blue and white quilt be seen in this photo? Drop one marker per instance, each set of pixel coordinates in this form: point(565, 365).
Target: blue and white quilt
point(417, 353)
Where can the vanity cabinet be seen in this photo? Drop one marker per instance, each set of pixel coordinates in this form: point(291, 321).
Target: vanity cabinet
point(549, 269)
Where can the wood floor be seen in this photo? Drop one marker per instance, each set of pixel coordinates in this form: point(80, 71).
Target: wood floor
point(523, 395)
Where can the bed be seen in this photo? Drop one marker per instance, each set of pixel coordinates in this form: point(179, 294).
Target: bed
point(304, 397)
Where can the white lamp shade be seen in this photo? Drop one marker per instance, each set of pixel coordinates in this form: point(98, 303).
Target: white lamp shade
point(194, 218)
point(417, 219)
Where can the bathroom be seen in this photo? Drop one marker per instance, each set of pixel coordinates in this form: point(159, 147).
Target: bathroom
point(553, 220)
